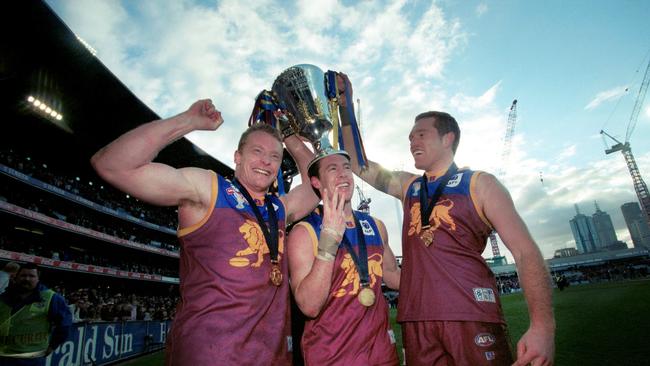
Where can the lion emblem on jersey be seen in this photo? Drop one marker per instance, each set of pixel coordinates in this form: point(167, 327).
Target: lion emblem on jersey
point(254, 237)
point(352, 275)
point(439, 215)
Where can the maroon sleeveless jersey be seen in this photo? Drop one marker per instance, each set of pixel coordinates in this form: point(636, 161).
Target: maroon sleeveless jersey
point(230, 313)
point(448, 280)
point(346, 332)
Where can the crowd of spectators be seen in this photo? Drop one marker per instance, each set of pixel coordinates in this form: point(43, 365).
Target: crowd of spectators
point(508, 284)
point(606, 272)
point(58, 208)
point(91, 188)
point(94, 303)
point(97, 304)
point(114, 260)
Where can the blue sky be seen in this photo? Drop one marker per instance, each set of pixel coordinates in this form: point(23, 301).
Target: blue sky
point(567, 62)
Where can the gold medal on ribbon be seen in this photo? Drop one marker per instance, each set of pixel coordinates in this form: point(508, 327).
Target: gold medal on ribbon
point(427, 236)
point(366, 297)
point(275, 275)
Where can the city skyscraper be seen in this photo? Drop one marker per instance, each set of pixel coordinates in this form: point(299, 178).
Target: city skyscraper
point(636, 224)
point(584, 232)
point(604, 228)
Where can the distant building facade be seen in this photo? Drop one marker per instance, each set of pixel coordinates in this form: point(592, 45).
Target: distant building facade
point(604, 229)
point(637, 224)
point(584, 233)
point(565, 252)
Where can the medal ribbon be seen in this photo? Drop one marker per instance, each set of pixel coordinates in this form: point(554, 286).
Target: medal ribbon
point(270, 234)
point(425, 210)
point(332, 92)
point(361, 260)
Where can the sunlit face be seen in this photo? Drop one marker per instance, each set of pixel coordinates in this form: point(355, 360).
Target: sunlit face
point(27, 279)
point(427, 146)
point(335, 174)
point(258, 162)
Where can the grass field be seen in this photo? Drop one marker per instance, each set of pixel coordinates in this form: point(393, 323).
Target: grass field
point(598, 324)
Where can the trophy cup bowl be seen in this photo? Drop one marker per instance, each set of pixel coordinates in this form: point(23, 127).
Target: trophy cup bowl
point(302, 90)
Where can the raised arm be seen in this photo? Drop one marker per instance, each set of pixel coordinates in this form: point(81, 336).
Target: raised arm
point(537, 345)
point(127, 162)
point(393, 183)
point(300, 153)
point(301, 200)
point(311, 273)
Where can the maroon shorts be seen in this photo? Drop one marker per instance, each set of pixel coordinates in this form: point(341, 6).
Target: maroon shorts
point(438, 343)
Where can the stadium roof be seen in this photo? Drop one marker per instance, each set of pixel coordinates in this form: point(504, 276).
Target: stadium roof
point(581, 260)
point(597, 258)
point(41, 57)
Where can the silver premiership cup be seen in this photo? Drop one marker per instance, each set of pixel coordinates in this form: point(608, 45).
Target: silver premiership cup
point(302, 88)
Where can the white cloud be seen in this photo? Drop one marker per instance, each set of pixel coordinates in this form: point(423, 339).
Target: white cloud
point(605, 96)
point(467, 104)
point(568, 152)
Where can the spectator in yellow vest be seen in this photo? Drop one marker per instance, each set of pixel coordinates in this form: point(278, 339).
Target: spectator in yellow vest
point(34, 320)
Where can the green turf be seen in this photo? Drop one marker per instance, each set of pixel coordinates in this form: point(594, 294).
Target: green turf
point(599, 324)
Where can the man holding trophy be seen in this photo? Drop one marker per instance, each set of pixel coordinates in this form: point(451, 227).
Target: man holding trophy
point(234, 307)
point(337, 257)
point(449, 305)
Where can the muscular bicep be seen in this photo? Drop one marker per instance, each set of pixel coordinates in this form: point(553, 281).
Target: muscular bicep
point(158, 184)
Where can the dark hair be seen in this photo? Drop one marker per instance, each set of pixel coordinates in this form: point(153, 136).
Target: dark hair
point(30, 266)
point(444, 123)
point(313, 172)
point(262, 127)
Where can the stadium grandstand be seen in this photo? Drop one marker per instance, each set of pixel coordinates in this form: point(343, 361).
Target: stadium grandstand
point(113, 258)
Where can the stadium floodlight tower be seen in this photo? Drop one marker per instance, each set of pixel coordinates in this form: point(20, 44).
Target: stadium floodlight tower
point(639, 185)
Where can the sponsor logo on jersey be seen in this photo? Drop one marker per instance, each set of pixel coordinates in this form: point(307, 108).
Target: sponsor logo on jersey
point(484, 295)
point(490, 355)
point(239, 198)
point(484, 339)
point(276, 207)
point(455, 180)
point(367, 229)
point(416, 189)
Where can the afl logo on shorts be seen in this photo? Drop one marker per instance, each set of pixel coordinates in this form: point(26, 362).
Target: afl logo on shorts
point(484, 339)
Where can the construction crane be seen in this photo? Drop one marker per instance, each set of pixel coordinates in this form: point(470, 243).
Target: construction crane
point(364, 203)
point(505, 156)
point(639, 185)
